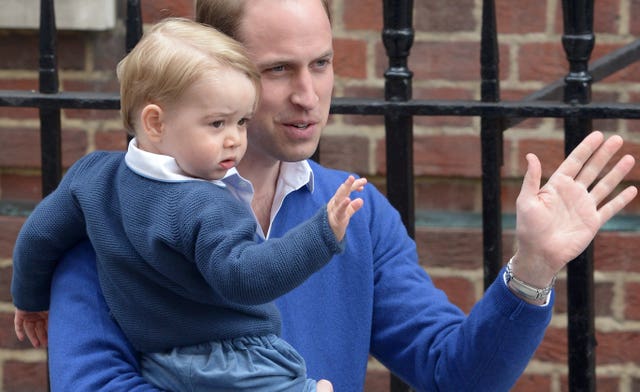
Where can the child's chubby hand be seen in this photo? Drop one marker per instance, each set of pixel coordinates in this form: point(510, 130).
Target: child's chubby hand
point(341, 207)
point(32, 325)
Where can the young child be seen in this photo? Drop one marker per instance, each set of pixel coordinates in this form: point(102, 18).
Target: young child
point(178, 257)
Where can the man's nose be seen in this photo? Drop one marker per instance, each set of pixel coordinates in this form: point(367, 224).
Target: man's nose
point(304, 91)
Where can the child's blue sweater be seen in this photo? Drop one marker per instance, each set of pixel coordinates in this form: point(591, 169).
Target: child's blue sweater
point(178, 261)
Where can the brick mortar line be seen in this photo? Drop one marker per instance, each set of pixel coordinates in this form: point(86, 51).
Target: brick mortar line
point(625, 17)
point(608, 324)
point(446, 272)
point(24, 355)
point(602, 324)
point(6, 307)
point(550, 16)
point(537, 366)
point(22, 123)
point(18, 74)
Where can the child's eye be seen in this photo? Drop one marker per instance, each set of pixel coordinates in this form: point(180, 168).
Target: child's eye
point(243, 121)
point(217, 124)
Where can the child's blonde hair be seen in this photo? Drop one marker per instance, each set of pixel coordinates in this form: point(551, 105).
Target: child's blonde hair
point(169, 58)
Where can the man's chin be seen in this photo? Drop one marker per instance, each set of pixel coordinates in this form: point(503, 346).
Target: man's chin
point(298, 154)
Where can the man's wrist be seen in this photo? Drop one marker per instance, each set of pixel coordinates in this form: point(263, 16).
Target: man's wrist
point(526, 291)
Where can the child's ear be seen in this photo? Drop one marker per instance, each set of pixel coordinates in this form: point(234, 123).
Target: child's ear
point(151, 119)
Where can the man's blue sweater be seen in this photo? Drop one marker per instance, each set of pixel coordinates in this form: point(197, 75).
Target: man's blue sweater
point(178, 262)
point(374, 298)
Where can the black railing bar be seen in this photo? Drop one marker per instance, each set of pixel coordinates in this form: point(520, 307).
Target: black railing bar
point(600, 69)
point(360, 106)
point(615, 61)
point(64, 99)
point(491, 138)
point(528, 106)
point(578, 41)
point(134, 24)
point(48, 83)
point(397, 38)
point(364, 106)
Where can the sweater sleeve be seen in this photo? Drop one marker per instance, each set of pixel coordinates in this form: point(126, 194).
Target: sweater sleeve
point(244, 270)
point(87, 349)
point(54, 226)
point(429, 342)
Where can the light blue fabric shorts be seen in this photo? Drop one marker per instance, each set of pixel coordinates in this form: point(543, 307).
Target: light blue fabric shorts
point(257, 364)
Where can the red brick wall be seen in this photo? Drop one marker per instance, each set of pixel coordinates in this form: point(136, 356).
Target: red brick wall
point(445, 62)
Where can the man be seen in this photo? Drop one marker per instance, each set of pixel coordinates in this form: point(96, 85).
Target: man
point(374, 298)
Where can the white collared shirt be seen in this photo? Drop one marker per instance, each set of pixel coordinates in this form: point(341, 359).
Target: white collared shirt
point(292, 176)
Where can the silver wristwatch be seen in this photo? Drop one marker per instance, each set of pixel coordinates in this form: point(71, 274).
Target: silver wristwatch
point(523, 289)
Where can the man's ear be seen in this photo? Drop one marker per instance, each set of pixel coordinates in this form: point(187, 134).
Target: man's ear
point(152, 124)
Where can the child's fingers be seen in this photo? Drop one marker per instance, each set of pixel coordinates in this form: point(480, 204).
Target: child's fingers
point(358, 185)
point(345, 188)
point(32, 326)
point(340, 207)
point(351, 184)
point(17, 324)
point(344, 210)
point(41, 332)
point(30, 329)
point(355, 205)
point(341, 193)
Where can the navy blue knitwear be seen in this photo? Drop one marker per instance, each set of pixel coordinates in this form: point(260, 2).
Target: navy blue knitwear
point(179, 262)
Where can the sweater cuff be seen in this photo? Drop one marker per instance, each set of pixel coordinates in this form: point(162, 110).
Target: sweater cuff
point(516, 308)
point(332, 242)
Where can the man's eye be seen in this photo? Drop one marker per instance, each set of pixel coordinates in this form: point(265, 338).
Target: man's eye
point(278, 68)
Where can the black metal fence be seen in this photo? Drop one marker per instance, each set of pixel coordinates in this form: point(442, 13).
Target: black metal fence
point(569, 99)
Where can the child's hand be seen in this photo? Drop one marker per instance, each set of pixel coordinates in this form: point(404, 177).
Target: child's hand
point(32, 325)
point(340, 208)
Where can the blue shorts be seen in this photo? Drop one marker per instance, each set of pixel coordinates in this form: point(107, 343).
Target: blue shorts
point(257, 364)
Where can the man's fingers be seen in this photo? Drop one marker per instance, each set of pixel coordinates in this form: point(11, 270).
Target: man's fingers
point(612, 179)
point(531, 181)
point(593, 167)
point(572, 165)
point(616, 204)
